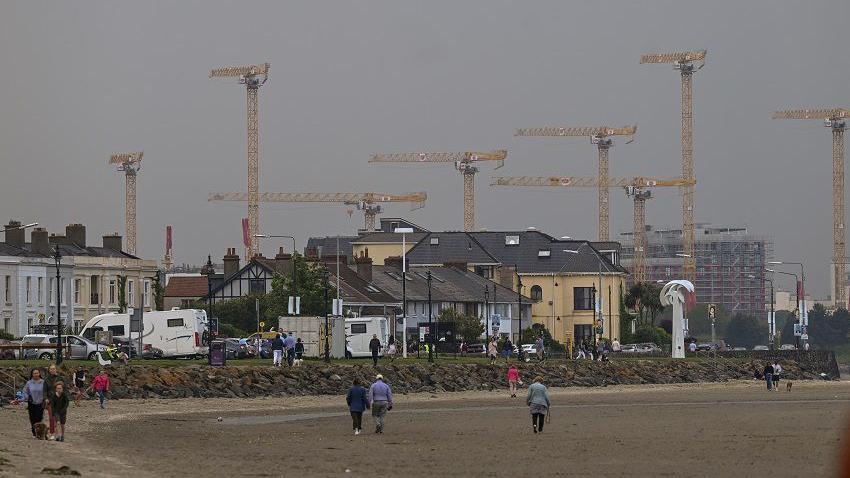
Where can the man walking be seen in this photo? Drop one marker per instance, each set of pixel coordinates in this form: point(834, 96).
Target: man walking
point(777, 370)
point(375, 347)
point(289, 347)
point(277, 350)
point(538, 345)
point(768, 376)
point(381, 399)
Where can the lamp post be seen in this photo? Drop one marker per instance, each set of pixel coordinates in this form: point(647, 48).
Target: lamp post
point(796, 291)
point(518, 303)
point(801, 298)
point(486, 315)
point(57, 257)
point(430, 322)
point(294, 275)
point(403, 231)
point(327, 321)
point(771, 320)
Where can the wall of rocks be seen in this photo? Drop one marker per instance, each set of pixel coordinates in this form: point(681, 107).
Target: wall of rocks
point(316, 378)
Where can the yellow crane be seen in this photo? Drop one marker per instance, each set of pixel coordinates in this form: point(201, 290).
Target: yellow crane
point(369, 203)
point(637, 188)
point(464, 162)
point(252, 76)
point(600, 136)
point(836, 120)
point(130, 164)
point(685, 63)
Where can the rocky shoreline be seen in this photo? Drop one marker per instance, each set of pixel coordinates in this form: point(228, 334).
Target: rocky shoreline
point(315, 378)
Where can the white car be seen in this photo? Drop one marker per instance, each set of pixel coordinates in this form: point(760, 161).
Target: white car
point(787, 347)
point(760, 347)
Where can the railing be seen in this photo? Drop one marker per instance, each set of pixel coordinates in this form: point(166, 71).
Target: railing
point(10, 381)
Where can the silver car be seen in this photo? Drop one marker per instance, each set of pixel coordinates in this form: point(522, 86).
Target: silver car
point(76, 347)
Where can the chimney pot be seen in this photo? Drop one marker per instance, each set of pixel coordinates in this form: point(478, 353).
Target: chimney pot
point(40, 243)
point(364, 267)
point(112, 241)
point(231, 262)
point(76, 233)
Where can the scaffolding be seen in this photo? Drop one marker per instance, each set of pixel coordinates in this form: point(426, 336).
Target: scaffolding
point(730, 264)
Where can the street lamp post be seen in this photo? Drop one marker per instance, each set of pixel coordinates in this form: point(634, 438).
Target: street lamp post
point(518, 303)
point(403, 231)
point(771, 319)
point(801, 298)
point(57, 257)
point(327, 321)
point(430, 322)
point(796, 292)
point(486, 315)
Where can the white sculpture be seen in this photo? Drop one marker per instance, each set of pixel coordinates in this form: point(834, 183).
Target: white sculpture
point(673, 294)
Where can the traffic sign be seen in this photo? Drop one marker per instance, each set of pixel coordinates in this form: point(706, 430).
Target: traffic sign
point(262, 324)
point(712, 311)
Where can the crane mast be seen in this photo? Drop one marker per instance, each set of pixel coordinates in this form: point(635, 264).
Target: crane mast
point(252, 76)
point(130, 164)
point(836, 120)
point(684, 62)
point(600, 136)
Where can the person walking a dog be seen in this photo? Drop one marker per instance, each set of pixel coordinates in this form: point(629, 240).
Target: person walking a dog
point(538, 403)
point(358, 402)
point(33, 393)
point(381, 400)
point(768, 376)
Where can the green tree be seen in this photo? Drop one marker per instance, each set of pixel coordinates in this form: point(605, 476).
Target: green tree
point(467, 327)
point(645, 299)
point(656, 335)
point(530, 334)
point(746, 330)
point(158, 297)
point(310, 286)
point(240, 313)
point(699, 325)
point(122, 294)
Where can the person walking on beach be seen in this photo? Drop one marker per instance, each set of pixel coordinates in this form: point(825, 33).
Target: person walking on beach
point(33, 392)
point(381, 400)
point(100, 385)
point(538, 403)
point(768, 376)
point(777, 370)
point(538, 346)
point(493, 350)
point(375, 347)
point(277, 350)
point(289, 346)
point(358, 402)
point(50, 382)
point(79, 385)
point(513, 378)
point(59, 407)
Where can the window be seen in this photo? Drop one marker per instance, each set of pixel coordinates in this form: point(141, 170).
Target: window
point(512, 240)
point(544, 253)
point(40, 291)
point(358, 328)
point(536, 292)
point(117, 330)
point(77, 284)
point(111, 292)
point(435, 241)
point(8, 289)
point(131, 299)
point(257, 286)
point(64, 295)
point(583, 298)
point(174, 322)
point(29, 290)
point(146, 293)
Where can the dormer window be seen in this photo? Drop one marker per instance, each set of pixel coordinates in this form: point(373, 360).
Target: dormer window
point(544, 253)
point(512, 240)
point(435, 241)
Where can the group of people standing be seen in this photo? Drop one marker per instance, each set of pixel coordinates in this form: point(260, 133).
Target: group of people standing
point(286, 345)
point(51, 394)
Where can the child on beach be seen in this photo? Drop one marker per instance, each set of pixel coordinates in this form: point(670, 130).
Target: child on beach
point(100, 385)
point(58, 403)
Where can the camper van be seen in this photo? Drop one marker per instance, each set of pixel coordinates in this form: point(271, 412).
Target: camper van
point(359, 331)
point(177, 332)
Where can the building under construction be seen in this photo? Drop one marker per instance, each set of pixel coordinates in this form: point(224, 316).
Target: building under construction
point(730, 264)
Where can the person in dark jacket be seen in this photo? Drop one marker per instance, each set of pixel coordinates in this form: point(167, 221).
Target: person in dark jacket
point(375, 347)
point(768, 376)
point(59, 402)
point(358, 402)
point(277, 350)
point(299, 351)
point(50, 382)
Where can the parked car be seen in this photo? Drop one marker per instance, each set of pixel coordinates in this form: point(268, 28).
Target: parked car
point(647, 348)
point(760, 347)
point(76, 347)
point(787, 347)
point(476, 349)
point(234, 349)
point(706, 347)
point(151, 352)
point(739, 348)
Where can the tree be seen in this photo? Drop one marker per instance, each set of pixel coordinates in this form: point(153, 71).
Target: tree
point(122, 294)
point(645, 299)
point(656, 335)
point(746, 330)
point(467, 327)
point(240, 313)
point(310, 287)
point(530, 334)
point(699, 324)
point(158, 298)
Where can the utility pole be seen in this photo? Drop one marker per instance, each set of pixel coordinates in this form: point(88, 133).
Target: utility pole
point(486, 316)
point(430, 323)
point(518, 302)
point(327, 321)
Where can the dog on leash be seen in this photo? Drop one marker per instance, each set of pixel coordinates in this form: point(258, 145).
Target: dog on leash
point(788, 385)
point(297, 362)
point(41, 431)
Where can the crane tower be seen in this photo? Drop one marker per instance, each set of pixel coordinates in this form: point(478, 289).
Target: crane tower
point(130, 164)
point(684, 62)
point(252, 76)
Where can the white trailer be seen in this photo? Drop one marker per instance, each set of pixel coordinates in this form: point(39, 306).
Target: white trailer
point(308, 329)
point(177, 332)
point(359, 332)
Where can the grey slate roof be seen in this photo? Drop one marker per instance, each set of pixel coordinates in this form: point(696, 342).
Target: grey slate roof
point(65, 250)
point(327, 245)
point(388, 237)
point(448, 284)
point(449, 247)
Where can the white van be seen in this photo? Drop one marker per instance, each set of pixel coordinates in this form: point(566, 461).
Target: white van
point(177, 332)
point(359, 331)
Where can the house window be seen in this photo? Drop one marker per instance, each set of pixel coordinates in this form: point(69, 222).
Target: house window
point(435, 241)
point(257, 286)
point(77, 285)
point(536, 292)
point(112, 292)
point(583, 298)
point(544, 253)
point(64, 292)
point(8, 289)
point(40, 291)
point(52, 291)
point(29, 290)
point(146, 293)
point(131, 299)
point(512, 240)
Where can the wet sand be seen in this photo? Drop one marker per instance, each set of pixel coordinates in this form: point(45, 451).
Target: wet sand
point(729, 429)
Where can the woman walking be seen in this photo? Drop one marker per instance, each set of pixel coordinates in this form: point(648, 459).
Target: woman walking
point(493, 350)
point(100, 385)
point(358, 402)
point(34, 395)
point(538, 403)
point(513, 378)
point(58, 404)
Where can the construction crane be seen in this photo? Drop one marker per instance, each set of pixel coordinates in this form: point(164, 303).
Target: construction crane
point(464, 162)
point(638, 188)
point(600, 136)
point(167, 260)
point(130, 164)
point(685, 63)
point(252, 76)
point(836, 120)
point(369, 203)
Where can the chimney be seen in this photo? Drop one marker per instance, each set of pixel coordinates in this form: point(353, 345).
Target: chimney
point(393, 261)
point(231, 262)
point(59, 239)
point(76, 233)
point(40, 244)
point(283, 262)
point(459, 265)
point(112, 241)
point(14, 237)
point(364, 267)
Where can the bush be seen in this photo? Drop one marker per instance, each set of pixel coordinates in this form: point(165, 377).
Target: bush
point(6, 335)
point(656, 335)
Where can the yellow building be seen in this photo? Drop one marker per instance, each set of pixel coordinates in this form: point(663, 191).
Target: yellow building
point(380, 245)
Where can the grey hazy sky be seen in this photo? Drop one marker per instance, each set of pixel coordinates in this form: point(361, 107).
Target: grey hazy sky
point(81, 80)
